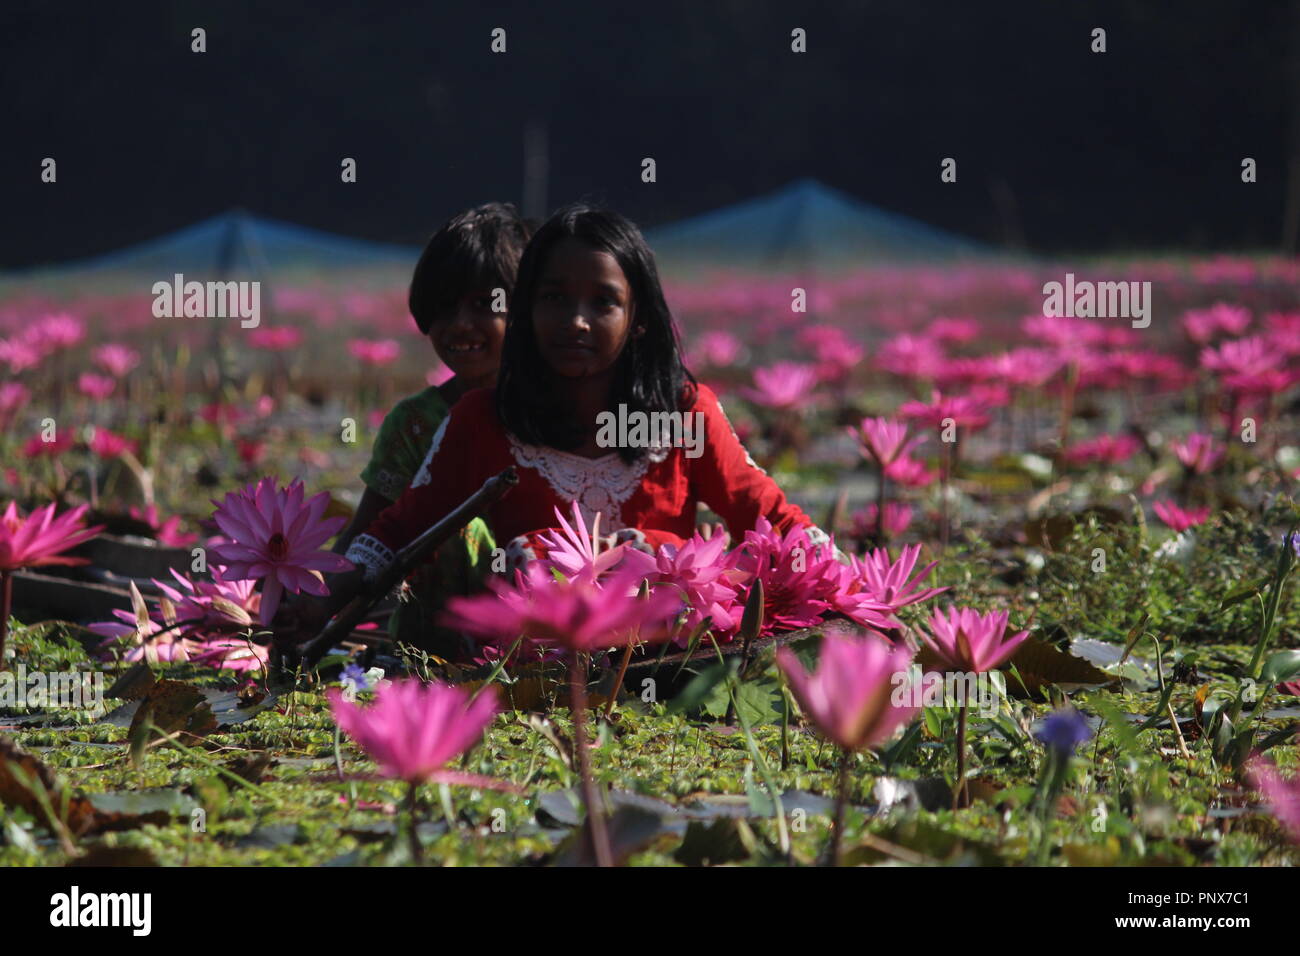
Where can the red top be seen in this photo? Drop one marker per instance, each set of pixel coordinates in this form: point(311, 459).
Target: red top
point(656, 495)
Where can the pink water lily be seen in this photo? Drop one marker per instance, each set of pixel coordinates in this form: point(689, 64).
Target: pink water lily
point(377, 352)
point(166, 531)
point(578, 616)
point(98, 387)
point(1199, 452)
point(897, 518)
point(701, 573)
point(116, 359)
point(883, 439)
point(207, 623)
point(797, 577)
point(275, 536)
point(782, 385)
point(578, 551)
point(968, 641)
point(910, 472)
point(1283, 796)
point(1180, 519)
point(413, 730)
point(41, 538)
point(1104, 449)
point(849, 696)
point(892, 582)
point(1201, 325)
point(965, 411)
point(107, 444)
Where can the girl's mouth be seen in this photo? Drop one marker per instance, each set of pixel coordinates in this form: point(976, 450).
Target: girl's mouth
point(464, 349)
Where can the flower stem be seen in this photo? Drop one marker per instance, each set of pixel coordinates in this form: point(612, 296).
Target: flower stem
point(417, 851)
point(618, 683)
point(841, 800)
point(595, 812)
point(6, 602)
point(959, 791)
point(880, 509)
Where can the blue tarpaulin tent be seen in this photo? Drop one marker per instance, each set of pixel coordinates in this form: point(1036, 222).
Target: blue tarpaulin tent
point(239, 243)
point(806, 224)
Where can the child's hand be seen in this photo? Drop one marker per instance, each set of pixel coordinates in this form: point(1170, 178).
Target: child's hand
point(707, 532)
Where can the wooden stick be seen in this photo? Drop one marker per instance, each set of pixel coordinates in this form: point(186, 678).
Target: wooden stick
point(405, 562)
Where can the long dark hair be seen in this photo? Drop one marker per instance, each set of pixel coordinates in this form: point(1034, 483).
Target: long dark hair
point(649, 374)
point(476, 249)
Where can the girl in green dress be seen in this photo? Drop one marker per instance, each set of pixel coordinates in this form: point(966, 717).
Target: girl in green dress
point(458, 298)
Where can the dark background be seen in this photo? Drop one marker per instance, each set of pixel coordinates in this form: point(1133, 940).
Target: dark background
point(1058, 149)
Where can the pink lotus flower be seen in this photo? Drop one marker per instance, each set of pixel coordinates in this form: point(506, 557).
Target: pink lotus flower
point(1283, 796)
point(701, 573)
point(797, 578)
point(54, 332)
point(578, 552)
point(36, 541)
point(413, 730)
point(964, 411)
point(1201, 325)
point(1199, 452)
point(1107, 449)
point(883, 439)
point(911, 356)
point(891, 582)
point(968, 641)
point(716, 349)
point(19, 355)
point(954, 330)
point(1178, 519)
point(107, 444)
point(898, 516)
point(40, 538)
point(578, 615)
point(117, 360)
point(275, 535)
point(38, 447)
point(379, 352)
point(1241, 357)
point(13, 396)
point(213, 618)
point(98, 387)
point(1025, 367)
point(910, 472)
point(278, 338)
point(166, 532)
point(850, 694)
point(783, 385)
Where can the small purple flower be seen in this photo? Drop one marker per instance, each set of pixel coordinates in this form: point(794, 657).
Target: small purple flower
point(1063, 730)
point(354, 679)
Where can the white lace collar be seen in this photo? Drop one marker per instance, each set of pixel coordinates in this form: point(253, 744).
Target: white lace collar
point(598, 484)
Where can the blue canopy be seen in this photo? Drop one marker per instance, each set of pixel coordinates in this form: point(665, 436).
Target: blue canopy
point(239, 243)
point(806, 224)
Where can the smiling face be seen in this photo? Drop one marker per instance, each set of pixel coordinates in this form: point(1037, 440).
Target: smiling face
point(468, 336)
point(582, 310)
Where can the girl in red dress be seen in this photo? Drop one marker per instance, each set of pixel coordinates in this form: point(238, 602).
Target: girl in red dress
point(589, 344)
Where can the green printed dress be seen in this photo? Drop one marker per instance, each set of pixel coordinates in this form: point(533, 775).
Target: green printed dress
point(461, 565)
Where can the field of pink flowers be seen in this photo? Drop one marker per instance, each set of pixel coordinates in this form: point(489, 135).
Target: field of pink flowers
point(1090, 523)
